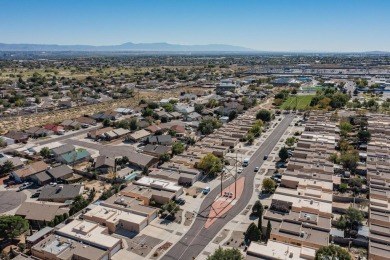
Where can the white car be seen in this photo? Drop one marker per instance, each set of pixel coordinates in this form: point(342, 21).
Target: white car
point(25, 185)
point(239, 170)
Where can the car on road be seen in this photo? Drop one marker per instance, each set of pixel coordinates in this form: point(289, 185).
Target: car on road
point(265, 157)
point(257, 168)
point(206, 190)
point(239, 170)
point(180, 201)
point(25, 185)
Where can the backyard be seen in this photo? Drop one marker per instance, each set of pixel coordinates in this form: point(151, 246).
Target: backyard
point(297, 102)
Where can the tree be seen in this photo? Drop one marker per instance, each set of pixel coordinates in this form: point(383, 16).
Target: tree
point(256, 129)
point(290, 141)
point(177, 148)
point(170, 209)
point(354, 216)
point(3, 143)
point(168, 107)
point(253, 233)
point(341, 223)
point(147, 112)
point(349, 160)
point(133, 124)
point(332, 252)
point(232, 115)
point(258, 210)
point(268, 231)
point(283, 154)
point(7, 166)
point(45, 152)
point(106, 122)
point(12, 226)
point(198, 108)
point(268, 184)
point(264, 115)
point(226, 254)
point(345, 128)
point(208, 124)
point(172, 132)
point(250, 138)
point(164, 158)
point(364, 136)
point(210, 164)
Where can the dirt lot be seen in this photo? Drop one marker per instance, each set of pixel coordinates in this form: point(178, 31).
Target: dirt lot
point(99, 187)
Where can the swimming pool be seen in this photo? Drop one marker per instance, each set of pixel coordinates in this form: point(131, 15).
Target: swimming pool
point(131, 177)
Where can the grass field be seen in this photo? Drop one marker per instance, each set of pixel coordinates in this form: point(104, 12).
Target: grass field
point(298, 102)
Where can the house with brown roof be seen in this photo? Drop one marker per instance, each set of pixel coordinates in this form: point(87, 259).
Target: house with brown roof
point(86, 120)
point(18, 137)
point(99, 133)
point(27, 171)
point(39, 213)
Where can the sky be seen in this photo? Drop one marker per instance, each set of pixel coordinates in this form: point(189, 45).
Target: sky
point(264, 25)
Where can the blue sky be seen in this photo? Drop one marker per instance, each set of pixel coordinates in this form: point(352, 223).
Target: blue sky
point(272, 25)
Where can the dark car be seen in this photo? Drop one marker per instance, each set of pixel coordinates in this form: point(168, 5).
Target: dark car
point(180, 201)
point(265, 157)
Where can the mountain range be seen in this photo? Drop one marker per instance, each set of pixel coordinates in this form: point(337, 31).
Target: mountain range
point(129, 46)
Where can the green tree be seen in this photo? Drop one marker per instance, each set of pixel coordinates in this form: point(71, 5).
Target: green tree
point(106, 122)
point(258, 210)
point(198, 108)
point(256, 130)
point(208, 124)
point(290, 141)
point(341, 223)
point(133, 124)
point(253, 233)
point(232, 115)
point(354, 215)
point(364, 136)
point(283, 154)
point(177, 148)
point(332, 252)
point(172, 132)
point(268, 184)
point(12, 226)
point(7, 166)
point(147, 112)
point(349, 160)
point(264, 115)
point(45, 152)
point(168, 107)
point(250, 138)
point(3, 143)
point(268, 231)
point(345, 128)
point(164, 158)
point(210, 164)
point(226, 254)
point(170, 209)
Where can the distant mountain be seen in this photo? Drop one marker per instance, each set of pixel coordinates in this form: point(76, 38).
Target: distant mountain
point(129, 46)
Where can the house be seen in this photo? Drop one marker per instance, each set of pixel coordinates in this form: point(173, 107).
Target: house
point(160, 139)
point(139, 135)
point(18, 137)
point(16, 162)
point(58, 129)
point(74, 157)
point(179, 129)
point(38, 236)
point(8, 141)
point(39, 213)
point(62, 172)
point(60, 193)
point(86, 120)
point(48, 248)
point(176, 115)
point(63, 149)
point(99, 133)
point(65, 103)
point(155, 129)
point(194, 116)
point(41, 178)
point(279, 250)
point(104, 164)
point(156, 150)
point(184, 108)
point(27, 171)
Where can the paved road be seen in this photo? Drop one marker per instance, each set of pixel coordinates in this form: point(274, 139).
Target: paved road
point(197, 237)
point(67, 136)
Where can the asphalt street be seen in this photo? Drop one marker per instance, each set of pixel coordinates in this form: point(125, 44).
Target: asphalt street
point(197, 237)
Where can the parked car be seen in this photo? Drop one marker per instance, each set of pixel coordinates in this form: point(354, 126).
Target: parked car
point(277, 180)
point(206, 190)
point(257, 169)
point(25, 185)
point(239, 170)
point(265, 157)
point(228, 194)
point(180, 201)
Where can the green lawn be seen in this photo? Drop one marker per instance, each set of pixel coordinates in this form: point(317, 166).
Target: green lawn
point(298, 102)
